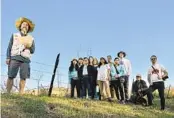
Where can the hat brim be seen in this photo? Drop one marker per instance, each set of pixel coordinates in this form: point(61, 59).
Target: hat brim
point(21, 20)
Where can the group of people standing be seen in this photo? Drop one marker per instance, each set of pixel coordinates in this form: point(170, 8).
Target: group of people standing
point(86, 74)
point(89, 74)
point(105, 79)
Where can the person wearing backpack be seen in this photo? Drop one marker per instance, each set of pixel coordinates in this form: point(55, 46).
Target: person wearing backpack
point(112, 76)
point(120, 79)
point(156, 76)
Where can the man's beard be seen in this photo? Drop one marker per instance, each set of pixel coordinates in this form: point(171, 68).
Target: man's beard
point(24, 30)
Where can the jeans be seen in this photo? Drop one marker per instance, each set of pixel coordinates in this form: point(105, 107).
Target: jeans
point(126, 87)
point(75, 83)
point(121, 87)
point(114, 86)
point(86, 88)
point(92, 86)
point(160, 87)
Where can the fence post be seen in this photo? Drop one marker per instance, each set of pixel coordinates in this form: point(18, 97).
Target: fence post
point(53, 76)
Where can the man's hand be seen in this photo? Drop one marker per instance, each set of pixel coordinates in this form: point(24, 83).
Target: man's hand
point(159, 77)
point(7, 61)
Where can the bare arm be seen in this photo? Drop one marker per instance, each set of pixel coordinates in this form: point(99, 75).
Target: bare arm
point(109, 74)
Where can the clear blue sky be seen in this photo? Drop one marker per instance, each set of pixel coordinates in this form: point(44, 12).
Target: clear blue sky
point(140, 28)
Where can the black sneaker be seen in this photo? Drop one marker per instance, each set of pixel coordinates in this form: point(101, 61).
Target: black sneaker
point(150, 104)
point(127, 101)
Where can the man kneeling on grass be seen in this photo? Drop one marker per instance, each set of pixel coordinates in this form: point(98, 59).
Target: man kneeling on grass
point(139, 90)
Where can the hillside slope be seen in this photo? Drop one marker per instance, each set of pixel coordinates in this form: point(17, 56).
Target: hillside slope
point(15, 106)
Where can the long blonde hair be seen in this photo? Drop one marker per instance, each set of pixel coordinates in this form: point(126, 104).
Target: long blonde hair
point(95, 59)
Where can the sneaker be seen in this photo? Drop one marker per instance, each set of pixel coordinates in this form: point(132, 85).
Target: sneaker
point(123, 102)
point(127, 101)
point(119, 101)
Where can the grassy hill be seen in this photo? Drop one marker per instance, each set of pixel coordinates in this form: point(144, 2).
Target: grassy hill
point(28, 106)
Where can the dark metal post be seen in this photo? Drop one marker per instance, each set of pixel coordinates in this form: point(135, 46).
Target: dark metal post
point(53, 76)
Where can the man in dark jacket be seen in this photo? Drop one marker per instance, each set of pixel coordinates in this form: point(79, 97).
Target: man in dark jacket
point(140, 89)
point(85, 73)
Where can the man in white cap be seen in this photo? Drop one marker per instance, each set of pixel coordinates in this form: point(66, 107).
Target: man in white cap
point(140, 88)
point(20, 49)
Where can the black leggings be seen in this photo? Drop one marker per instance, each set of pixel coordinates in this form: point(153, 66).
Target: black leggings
point(75, 83)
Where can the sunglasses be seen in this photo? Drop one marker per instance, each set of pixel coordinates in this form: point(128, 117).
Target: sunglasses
point(153, 59)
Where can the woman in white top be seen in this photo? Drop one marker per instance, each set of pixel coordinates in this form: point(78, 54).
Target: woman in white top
point(103, 78)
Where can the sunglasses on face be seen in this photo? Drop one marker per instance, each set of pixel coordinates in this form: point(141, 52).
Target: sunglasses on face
point(153, 59)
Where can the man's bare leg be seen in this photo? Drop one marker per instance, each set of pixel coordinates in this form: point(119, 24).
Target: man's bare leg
point(22, 86)
point(9, 85)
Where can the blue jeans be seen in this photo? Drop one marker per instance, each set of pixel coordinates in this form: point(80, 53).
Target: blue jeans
point(126, 87)
point(86, 86)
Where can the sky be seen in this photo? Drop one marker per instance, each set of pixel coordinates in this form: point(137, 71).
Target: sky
point(73, 27)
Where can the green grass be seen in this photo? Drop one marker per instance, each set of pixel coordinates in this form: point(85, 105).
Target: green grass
point(15, 106)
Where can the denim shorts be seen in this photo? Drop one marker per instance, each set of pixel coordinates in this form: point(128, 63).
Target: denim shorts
point(22, 67)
